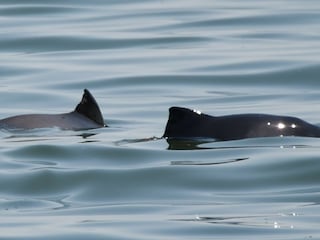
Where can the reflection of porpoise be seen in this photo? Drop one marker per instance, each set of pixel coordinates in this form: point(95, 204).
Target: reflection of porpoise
point(86, 115)
point(186, 123)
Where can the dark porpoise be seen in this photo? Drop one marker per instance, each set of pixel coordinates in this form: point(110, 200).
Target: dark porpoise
point(86, 115)
point(187, 123)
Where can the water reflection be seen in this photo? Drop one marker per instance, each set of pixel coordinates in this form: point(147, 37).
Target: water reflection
point(260, 221)
point(206, 163)
point(205, 144)
point(187, 144)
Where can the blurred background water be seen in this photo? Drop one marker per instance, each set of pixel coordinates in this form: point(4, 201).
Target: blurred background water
point(138, 58)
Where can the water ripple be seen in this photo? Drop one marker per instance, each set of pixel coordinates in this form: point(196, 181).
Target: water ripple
point(139, 58)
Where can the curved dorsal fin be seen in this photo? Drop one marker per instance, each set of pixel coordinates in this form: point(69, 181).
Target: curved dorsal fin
point(89, 108)
point(182, 122)
point(177, 114)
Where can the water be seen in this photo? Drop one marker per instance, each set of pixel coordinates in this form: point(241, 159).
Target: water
point(138, 58)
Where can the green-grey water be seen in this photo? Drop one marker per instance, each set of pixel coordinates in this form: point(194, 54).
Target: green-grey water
point(138, 58)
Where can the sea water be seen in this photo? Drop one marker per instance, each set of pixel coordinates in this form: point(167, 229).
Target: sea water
point(138, 58)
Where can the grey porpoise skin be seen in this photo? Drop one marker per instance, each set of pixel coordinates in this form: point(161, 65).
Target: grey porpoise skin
point(86, 115)
point(187, 123)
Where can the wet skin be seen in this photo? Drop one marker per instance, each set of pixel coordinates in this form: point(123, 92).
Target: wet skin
point(86, 115)
point(187, 123)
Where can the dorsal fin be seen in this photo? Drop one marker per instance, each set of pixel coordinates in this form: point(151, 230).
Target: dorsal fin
point(177, 114)
point(89, 108)
point(181, 122)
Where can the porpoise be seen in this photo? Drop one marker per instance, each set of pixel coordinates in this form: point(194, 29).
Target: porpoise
point(187, 123)
point(86, 115)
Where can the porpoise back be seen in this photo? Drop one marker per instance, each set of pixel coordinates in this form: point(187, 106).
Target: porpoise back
point(87, 115)
point(187, 123)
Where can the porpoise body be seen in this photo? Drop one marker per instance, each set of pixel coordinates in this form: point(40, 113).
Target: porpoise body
point(87, 115)
point(187, 123)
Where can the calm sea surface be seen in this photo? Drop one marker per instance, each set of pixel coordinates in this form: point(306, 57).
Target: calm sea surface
point(138, 58)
